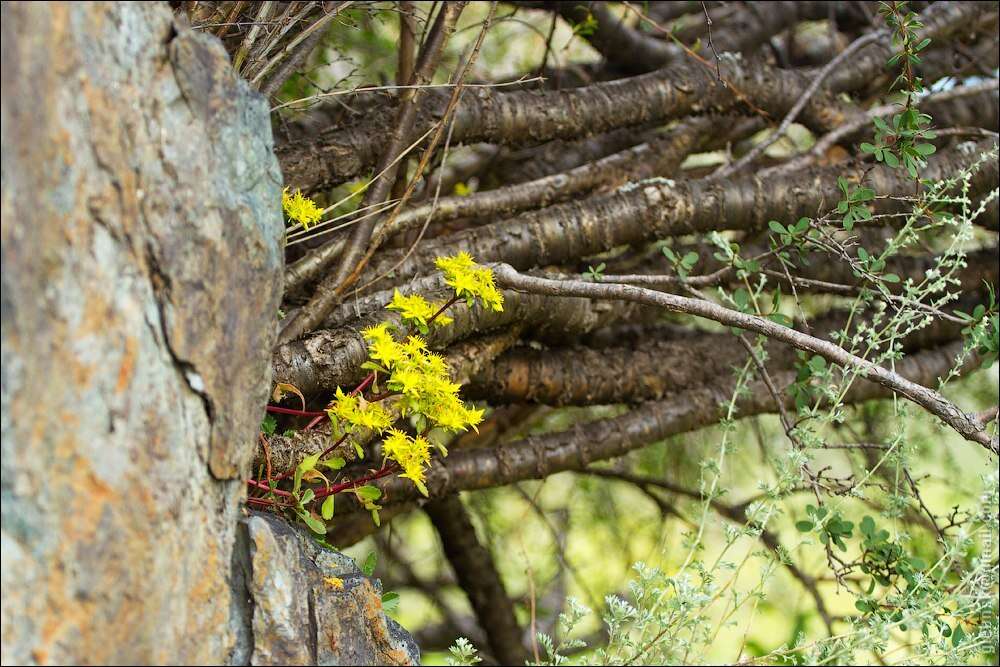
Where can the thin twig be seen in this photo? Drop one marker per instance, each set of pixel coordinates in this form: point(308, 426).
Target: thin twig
point(790, 117)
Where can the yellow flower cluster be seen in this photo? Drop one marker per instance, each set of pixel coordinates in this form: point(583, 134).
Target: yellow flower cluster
point(412, 454)
point(423, 379)
point(418, 379)
point(417, 311)
point(470, 280)
point(299, 208)
point(351, 412)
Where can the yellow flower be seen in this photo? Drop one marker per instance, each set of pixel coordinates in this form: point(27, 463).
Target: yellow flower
point(300, 209)
point(470, 281)
point(415, 346)
point(382, 346)
point(436, 365)
point(457, 263)
point(417, 310)
point(412, 455)
point(354, 411)
point(449, 413)
point(406, 380)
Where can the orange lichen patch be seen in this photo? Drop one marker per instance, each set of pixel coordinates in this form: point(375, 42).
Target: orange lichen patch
point(370, 606)
point(127, 366)
point(92, 496)
point(62, 615)
point(210, 591)
point(96, 316)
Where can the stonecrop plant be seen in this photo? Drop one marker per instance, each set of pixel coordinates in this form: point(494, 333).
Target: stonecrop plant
point(406, 381)
point(299, 209)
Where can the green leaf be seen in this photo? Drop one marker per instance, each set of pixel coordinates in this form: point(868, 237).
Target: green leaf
point(741, 297)
point(327, 509)
point(867, 525)
point(368, 492)
point(314, 524)
point(781, 319)
point(957, 635)
point(390, 601)
point(368, 567)
point(867, 148)
point(864, 194)
point(334, 462)
point(269, 425)
point(890, 278)
point(925, 149)
point(307, 496)
point(777, 227)
point(804, 526)
point(862, 606)
point(891, 159)
point(307, 464)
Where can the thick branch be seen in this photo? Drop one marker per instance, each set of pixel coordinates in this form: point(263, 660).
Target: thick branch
point(331, 358)
point(478, 577)
point(661, 208)
point(578, 447)
point(530, 117)
point(660, 156)
point(967, 425)
point(652, 367)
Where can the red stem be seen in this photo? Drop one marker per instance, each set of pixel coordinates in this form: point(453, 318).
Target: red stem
point(333, 446)
point(364, 385)
point(291, 411)
point(265, 501)
point(317, 419)
point(265, 487)
point(384, 471)
point(451, 302)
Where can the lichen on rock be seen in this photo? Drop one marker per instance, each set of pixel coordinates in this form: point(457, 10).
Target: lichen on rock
point(142, 263)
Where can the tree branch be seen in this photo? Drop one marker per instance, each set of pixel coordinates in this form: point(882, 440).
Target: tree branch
point(967, 425)
point(478, 577)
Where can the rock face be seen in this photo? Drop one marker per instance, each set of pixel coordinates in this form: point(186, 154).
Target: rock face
point(142, 260)
point(314, 606)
